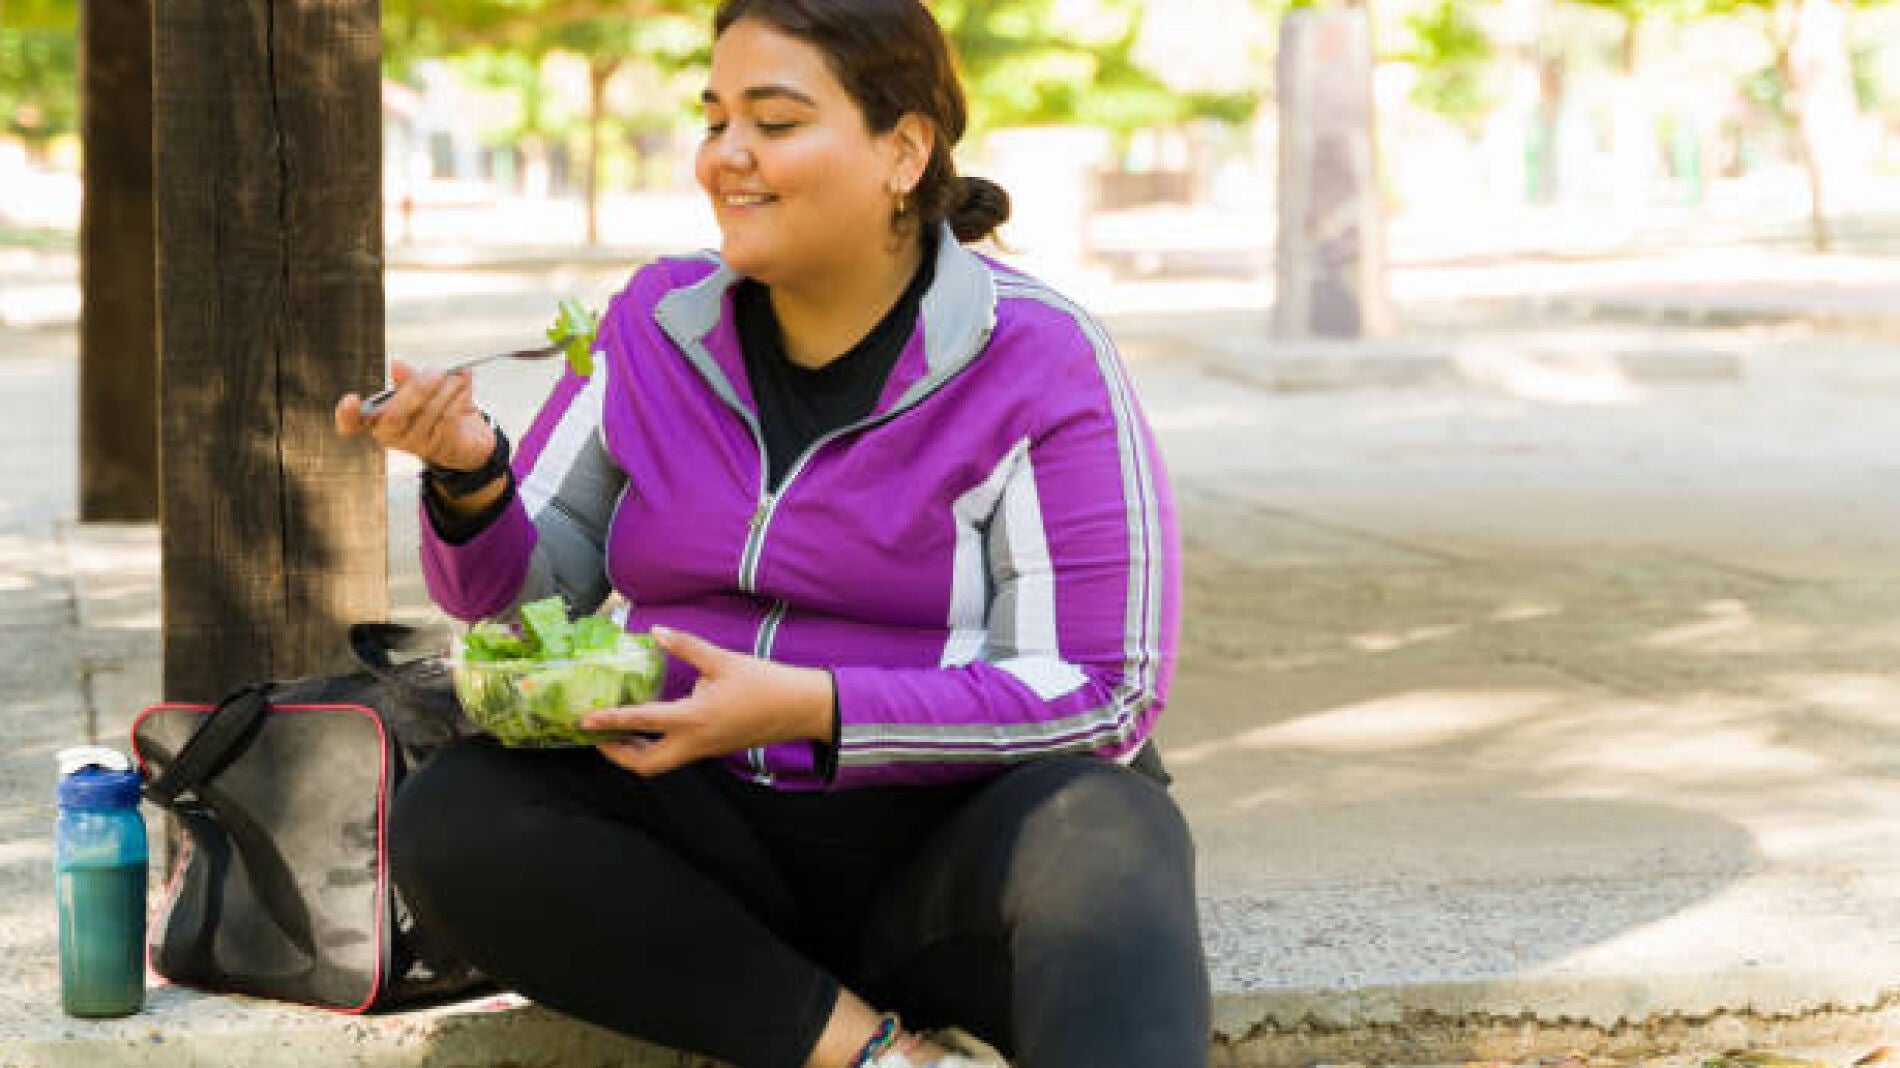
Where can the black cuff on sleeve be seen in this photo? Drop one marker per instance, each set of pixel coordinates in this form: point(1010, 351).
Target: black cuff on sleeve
point(461, 529)
point(824, 755)
point(454, 483)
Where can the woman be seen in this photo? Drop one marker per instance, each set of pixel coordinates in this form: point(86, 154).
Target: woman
point(892, 510)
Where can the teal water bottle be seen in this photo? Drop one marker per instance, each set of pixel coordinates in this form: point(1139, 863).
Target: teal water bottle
point(99, 859)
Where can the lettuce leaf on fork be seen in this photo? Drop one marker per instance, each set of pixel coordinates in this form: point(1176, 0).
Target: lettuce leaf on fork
point(573, 321)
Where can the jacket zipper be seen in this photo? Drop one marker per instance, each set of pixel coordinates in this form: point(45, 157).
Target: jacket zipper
point(768, 501)
point(762, 648)
point(768, 630)
point(754, 547)
point(762, 518)
point(748, 573)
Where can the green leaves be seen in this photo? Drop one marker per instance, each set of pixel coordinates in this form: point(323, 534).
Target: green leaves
point(39, 68)
point(1453, 56)
point(578, 325)
point(532, 688)
point(545, 624)
point(489, 642)
point(1024, 65)
point(546, 634)
point(40, 15)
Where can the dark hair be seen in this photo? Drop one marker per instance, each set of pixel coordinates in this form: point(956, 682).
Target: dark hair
point(891, 57)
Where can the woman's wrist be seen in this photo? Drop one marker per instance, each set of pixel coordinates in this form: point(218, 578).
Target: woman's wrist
point(458, 480)
point(470, 491)
point(813, 699)
point(471, 504)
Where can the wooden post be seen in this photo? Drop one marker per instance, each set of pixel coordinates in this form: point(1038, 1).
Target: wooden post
point(269, 177)
point(118, 348)
point(1331, 273)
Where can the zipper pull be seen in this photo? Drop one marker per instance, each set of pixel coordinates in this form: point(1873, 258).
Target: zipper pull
point(758, 514)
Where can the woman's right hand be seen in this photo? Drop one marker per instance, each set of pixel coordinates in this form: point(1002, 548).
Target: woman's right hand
point(432, 416)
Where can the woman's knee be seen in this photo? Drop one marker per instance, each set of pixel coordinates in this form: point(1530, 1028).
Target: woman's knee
point(1090, 829)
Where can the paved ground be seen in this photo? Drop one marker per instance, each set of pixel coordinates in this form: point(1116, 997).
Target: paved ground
point(1538, 692)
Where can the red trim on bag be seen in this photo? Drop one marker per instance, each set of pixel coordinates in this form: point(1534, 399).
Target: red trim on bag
point(170, 900)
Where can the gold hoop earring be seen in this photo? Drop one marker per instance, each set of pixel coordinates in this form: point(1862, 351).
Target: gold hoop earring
point(903, 204)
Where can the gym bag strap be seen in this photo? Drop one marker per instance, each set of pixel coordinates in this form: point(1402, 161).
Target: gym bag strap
point(222, 734)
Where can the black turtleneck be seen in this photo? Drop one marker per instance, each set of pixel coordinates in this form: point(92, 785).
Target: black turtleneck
point(797, 406)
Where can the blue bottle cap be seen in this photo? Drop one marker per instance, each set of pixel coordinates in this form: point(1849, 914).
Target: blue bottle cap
point(95, 788)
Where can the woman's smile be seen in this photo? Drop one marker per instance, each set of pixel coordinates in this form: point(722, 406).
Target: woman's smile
point(742, 201)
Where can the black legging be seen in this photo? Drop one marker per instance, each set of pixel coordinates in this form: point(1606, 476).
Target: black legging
point(1050, 910)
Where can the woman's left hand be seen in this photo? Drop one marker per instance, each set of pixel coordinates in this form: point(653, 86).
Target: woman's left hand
point(738, 702)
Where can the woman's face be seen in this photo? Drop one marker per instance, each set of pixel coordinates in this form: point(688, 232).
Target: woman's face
point(800, 186)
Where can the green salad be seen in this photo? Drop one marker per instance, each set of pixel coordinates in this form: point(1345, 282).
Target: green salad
point(530, 687)
point(573, 321)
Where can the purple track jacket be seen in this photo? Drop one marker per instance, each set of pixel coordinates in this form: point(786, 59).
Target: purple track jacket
point(988, 563)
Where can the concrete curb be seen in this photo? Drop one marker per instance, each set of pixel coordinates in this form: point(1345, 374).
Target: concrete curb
point(1432, 1036)
point(1579, 309)
point(184, 1029)
point(1421, 1024)
point(1612, 1007)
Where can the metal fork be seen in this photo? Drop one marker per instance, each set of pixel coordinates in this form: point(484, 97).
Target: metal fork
point(375, 401)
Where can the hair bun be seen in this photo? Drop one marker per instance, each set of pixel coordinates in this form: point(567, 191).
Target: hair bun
point(981, 207)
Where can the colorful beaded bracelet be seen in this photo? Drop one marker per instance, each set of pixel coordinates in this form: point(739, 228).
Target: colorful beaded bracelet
point(882, 1039)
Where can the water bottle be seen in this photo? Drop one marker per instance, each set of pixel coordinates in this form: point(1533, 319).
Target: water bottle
point(99, 859)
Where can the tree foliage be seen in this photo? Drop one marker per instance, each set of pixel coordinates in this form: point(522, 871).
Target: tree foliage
point(39, 69)
point(507, 42)
point(1022, 66)
point(1777, 87)
point(622, 29)
point(1453, 56)
point(39, 14)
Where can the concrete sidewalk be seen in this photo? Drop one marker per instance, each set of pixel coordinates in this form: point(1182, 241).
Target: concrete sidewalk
point(1518, 715)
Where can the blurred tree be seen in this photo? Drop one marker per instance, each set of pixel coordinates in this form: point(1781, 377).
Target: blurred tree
point(1810, 63)
point(1024, 62)
point(1869, 92)
point(39, 70)
point(537, 123)
point(606, 36)
point(1811, 86)
point(1635, 125)
point(1023, 66)
point(1452, 54)
point(1638, 13)
point(512, 38)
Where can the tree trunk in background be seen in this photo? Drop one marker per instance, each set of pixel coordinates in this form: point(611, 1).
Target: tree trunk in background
point(269, 181)
point(1633, 131)
point(1811, 56)
point(1330, 259)
point(599, 73)
point(1552, 78)
point(118, 348)
point(1808, 154)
